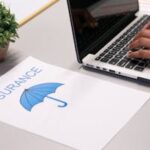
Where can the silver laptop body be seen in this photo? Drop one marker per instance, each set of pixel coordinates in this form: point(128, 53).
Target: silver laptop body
point(102, 31)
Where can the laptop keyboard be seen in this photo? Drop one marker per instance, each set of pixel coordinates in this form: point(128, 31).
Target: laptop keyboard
point(116, 53)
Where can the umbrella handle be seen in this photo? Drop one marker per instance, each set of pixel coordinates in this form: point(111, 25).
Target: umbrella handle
point(64, 104)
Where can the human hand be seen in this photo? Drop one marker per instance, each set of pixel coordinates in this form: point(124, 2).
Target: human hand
point(140, 46)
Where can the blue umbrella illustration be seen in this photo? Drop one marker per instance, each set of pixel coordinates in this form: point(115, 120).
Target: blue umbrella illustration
point(36, 94)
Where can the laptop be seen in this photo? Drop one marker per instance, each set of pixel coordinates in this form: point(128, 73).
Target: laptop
point(103, 30)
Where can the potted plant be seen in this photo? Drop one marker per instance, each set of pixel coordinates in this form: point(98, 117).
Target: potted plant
point(8, 30)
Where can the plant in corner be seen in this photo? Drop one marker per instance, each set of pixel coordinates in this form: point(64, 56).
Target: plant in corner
point(8, 30)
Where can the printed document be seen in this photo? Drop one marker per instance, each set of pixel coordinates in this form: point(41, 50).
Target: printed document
point(73, 109)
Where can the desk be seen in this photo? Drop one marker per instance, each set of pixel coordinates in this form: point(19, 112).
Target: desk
point(49, 39)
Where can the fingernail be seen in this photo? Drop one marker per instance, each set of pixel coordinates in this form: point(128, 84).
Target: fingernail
point(129, 54)
point(130, 46)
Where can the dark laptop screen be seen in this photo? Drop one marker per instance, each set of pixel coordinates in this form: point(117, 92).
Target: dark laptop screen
point(96, 22)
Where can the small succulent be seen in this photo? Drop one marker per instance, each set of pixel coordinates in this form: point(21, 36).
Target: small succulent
point(8, 26)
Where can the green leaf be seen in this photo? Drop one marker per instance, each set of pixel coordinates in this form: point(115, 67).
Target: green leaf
point(8, 25)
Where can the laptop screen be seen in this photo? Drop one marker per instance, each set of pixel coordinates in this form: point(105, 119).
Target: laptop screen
point(96, 22)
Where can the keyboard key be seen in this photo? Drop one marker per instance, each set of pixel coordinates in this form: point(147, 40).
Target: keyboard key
point(111, 46)
point(123, 53)
point(142, 64)
point(108, 56)
point(113, 61)
point(123, 62)
point(118, 56)
point(146, 61)
point(126, 49)
point(112, 52)
point(104, 60)
point(106, 50)
point(131, 65)
point(138, 68)
point(135, 61)
point(102, 54)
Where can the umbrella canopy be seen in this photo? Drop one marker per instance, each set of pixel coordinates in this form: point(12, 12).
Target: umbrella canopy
point(36, 94)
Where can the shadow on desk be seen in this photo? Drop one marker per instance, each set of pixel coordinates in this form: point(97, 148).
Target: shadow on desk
point(13, 58)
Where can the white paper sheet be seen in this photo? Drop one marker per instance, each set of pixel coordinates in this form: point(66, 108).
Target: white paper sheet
point(24, 10)
point(96, 110)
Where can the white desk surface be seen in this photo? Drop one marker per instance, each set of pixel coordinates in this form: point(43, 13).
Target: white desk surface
point(48, 37)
